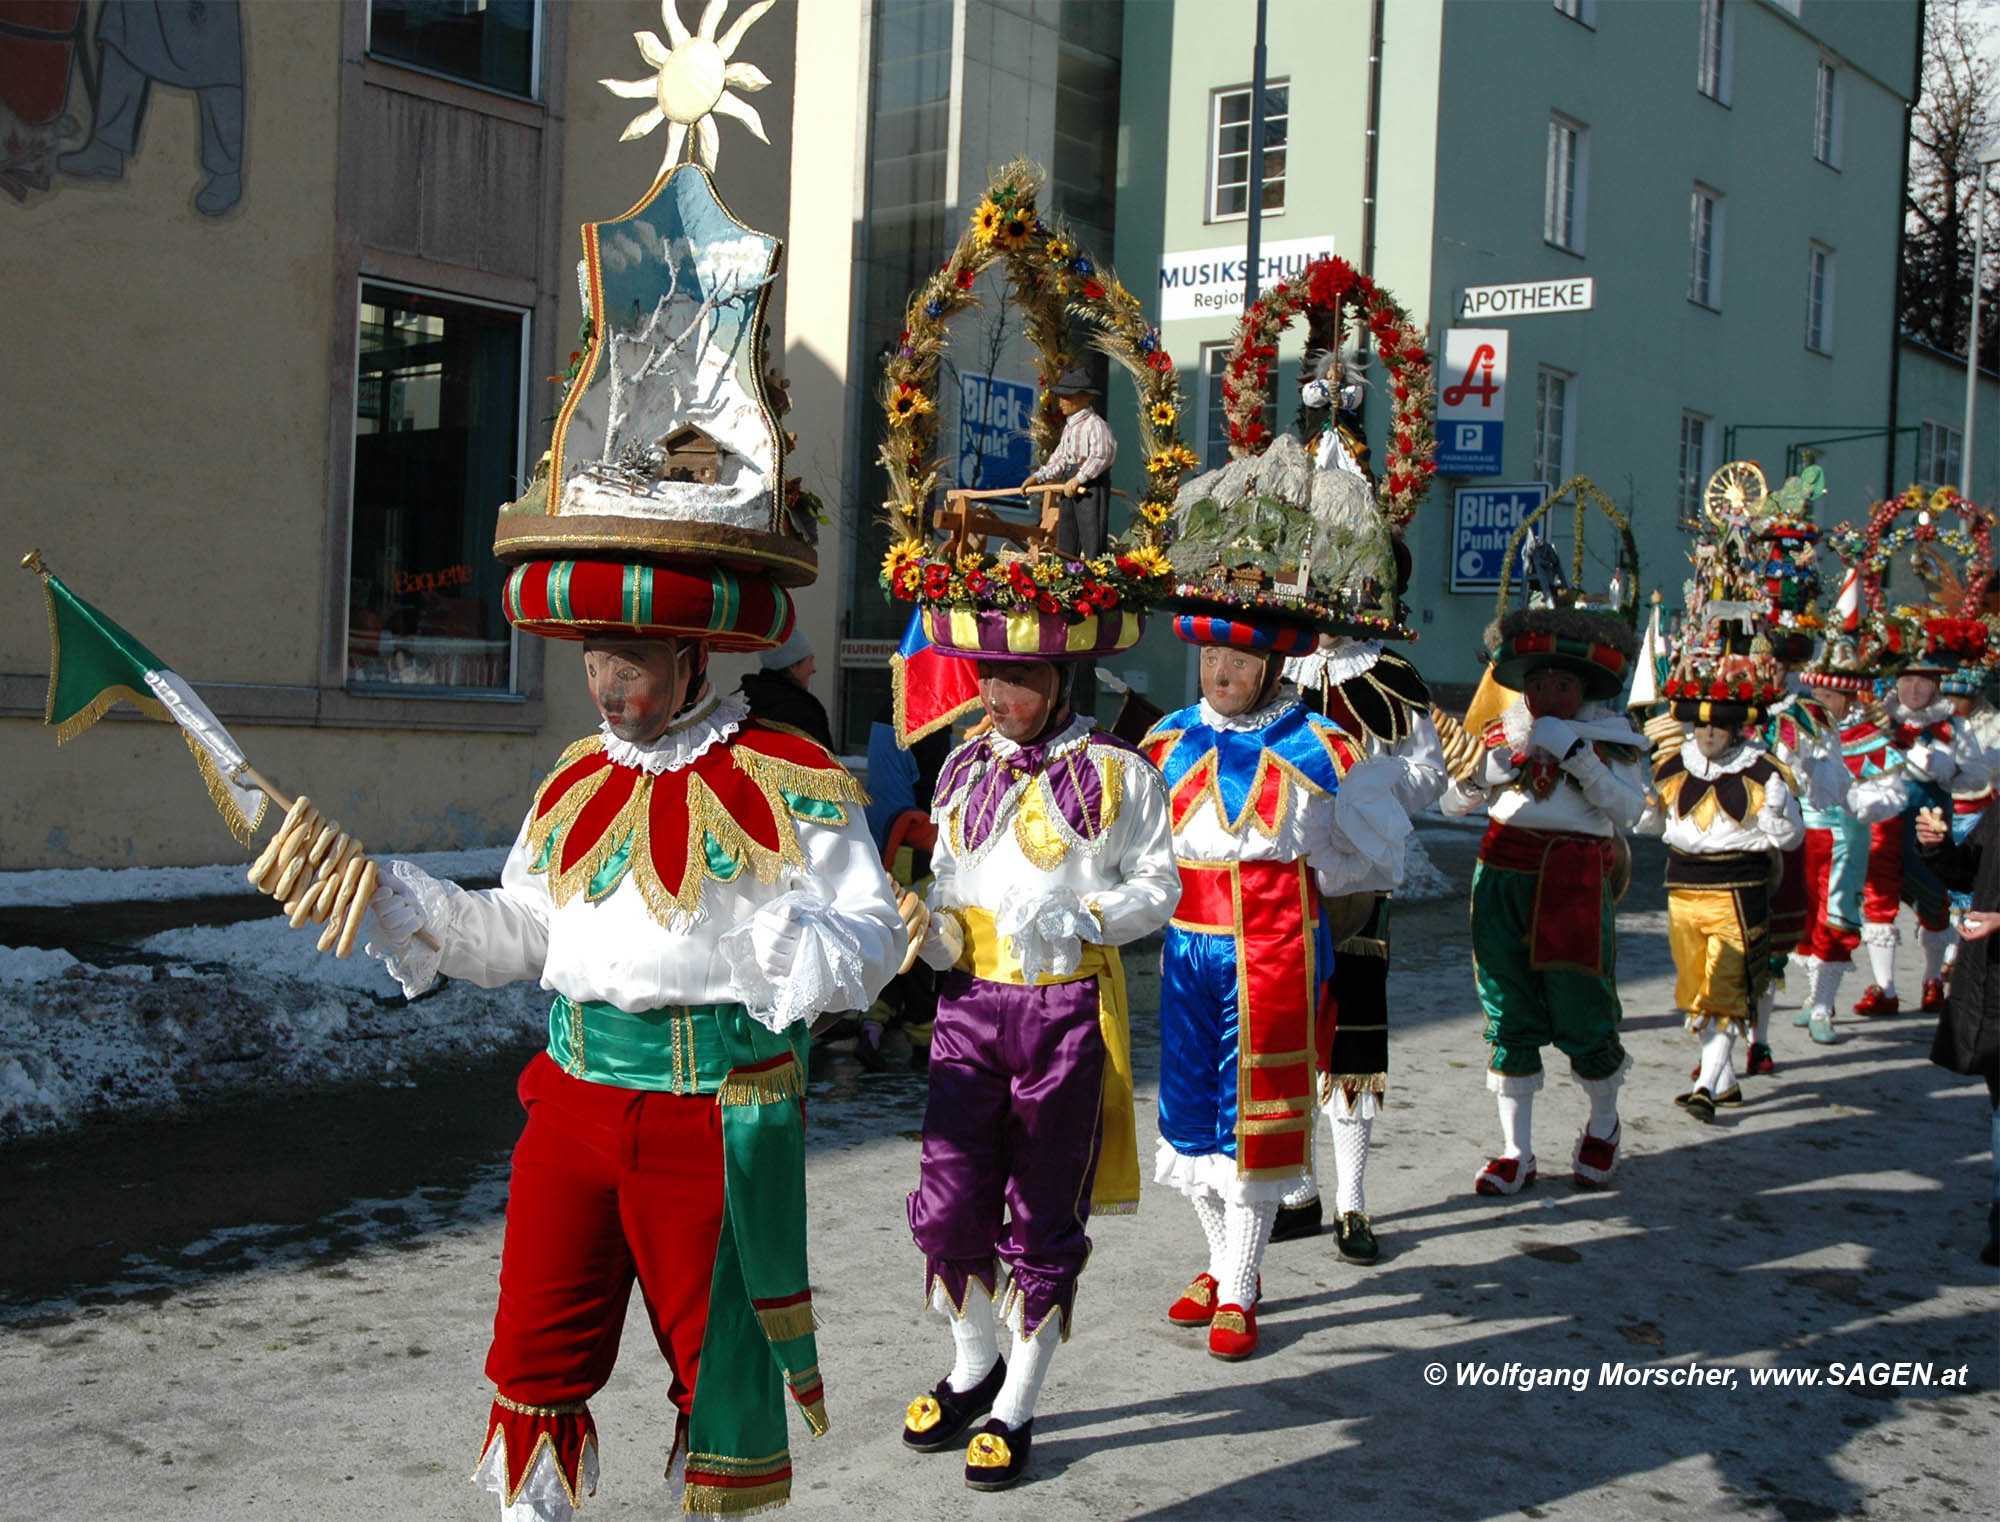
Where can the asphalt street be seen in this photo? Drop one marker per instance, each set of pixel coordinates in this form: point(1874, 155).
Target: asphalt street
point(279, 1310)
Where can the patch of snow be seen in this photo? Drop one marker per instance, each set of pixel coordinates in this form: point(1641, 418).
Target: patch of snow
point(31, 964)
point(57, 887)
point(1422, 881)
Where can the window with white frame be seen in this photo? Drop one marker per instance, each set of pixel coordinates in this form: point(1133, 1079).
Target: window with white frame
point(1712, 69)
point(1229, 151)
point(1697, 442)
point(1555, 425)
point(1705, 247)
point(1215, 421)
point(1566, 191)
point(1819, 299)
point(1826, 116)
point(1940, 454)
point(1584, 11)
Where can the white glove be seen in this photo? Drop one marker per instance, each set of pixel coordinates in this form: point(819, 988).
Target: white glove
point(1048, 932)
point(795, 958)
point(1553, 735)
point(399, 913)
point(774, 939)
point(1496, 768)
point(1934, 762)
point(944, 941)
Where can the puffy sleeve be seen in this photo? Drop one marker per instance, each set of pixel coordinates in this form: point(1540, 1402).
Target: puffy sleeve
point(1616, 789)
point(1149, 880)
point(495, 935)
point(1874, 799)
point(1361, 845)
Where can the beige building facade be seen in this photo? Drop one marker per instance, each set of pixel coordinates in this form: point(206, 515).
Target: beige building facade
point(281, 339)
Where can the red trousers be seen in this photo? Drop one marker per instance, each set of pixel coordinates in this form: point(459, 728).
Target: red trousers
point(1823, 939)
point(608, 1185)
point(1882, 897)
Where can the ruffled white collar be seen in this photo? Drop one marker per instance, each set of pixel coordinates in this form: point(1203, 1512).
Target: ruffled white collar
point(1244, 723)
point(712, 720)
point(1065, 739)
point(1919, 718)
point(1698, 765)
point(1343, 663)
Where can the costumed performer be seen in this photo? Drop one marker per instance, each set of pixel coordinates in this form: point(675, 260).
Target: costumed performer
point(1559, 774)
point(1836, 845)
point(1053, 850)
point(1724, 805)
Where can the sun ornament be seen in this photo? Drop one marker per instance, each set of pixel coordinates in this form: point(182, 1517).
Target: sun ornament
point(692, 80)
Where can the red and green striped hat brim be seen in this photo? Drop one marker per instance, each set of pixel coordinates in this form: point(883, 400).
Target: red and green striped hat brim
point(584, 599)
point(1600, 667)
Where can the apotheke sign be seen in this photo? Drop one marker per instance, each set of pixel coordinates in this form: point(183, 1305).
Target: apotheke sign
point(1532, 298)
point(1208, 282)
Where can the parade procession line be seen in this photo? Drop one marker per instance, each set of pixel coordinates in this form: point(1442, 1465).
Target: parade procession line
point(222, 1363)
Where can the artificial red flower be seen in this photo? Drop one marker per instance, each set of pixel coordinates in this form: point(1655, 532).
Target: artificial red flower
point(1092, 291)
point(1046, 603)
point(937, 580)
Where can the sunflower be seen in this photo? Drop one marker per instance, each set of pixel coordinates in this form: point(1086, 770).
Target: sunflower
point(1172, 460)
point(908, 404)
point(1163, 414)
point(986, 220)
point(1147, 561)
point(1016, 227)
point(1058, 250)
point(1153, 510)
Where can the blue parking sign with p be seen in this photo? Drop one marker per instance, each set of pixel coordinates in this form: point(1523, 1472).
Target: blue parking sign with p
point(1469, 449)
point(1483, 521)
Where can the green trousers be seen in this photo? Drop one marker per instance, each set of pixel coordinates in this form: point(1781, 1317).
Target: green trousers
point(1529, 1008)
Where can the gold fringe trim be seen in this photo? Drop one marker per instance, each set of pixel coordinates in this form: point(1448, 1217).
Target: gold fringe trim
point(770, 1086)
point(815, 1415)
point(220, 794)
point(1360, 1083)
point(786, 1322)
point(732, 1501)
point(1123, 1207)
point(102, 704)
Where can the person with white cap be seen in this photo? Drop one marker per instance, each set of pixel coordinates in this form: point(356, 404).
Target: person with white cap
point(778, 695)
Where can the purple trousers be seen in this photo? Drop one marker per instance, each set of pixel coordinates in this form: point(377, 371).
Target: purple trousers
point(1014, 1120)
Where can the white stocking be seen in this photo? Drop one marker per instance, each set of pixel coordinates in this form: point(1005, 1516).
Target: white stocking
point(1353, 1120)
point(1881, 941)
point(1935, 944)
point(1761, 1034)
point(1208, 1209)
point(1517, 1113)
point(1249, 1233)
point(1603, 1095)
point(1304, 1192)
point(1717, 1075)
point(1015, 1404)
point(975, 1335)
point(1826, 984)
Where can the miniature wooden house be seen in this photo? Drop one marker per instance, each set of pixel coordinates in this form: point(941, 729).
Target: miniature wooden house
point(690, 455)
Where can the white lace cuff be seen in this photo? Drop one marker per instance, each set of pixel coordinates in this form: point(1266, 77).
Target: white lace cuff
point(1377, 830)
point(1049, 932)
point(410, 962)
point(827, 964)
point(1215, 1173)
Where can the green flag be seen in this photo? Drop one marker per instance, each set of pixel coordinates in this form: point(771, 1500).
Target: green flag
point(93, 664)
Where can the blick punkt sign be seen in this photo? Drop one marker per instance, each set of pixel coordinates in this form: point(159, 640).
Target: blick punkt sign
point(1532, 298)
point(1483, 520)
point(995, 417)
point(1208, 282)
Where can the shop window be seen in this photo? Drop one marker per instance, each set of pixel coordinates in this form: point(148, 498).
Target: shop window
point(484, 42)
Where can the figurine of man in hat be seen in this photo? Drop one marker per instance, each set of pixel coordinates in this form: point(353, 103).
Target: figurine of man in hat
point(1559, 775)
point(1082, 462)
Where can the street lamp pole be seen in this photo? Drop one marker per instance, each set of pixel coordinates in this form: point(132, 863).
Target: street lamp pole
point(1256, 175)
point(1986, 161)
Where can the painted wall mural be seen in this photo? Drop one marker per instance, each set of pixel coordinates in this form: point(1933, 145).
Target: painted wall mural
point(76, 81)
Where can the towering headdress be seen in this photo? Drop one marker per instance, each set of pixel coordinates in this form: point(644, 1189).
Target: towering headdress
point(662, 506)
point(1282, 544)
point(1924, 573)
point(1562, 625)
point(1751, 602)
point(1034, 602)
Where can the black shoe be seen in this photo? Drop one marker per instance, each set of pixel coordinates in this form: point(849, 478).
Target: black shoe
point(1354, 1238)
point(998, 1456)
point(936, 1421)
point(1295, 1221)
point(1699, 1103)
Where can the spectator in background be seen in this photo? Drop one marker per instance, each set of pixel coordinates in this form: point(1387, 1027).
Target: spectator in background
point(778, 695)
point(1968, 1033)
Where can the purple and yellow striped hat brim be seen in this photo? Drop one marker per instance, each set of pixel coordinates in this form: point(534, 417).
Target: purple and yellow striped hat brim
point(585, 599)
point(993, 634)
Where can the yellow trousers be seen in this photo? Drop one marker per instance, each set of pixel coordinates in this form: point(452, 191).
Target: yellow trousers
point(1716, 981)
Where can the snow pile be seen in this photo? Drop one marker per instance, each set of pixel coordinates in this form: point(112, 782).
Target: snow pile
point(123, 885)
point(31, 964)
point(1422, 881)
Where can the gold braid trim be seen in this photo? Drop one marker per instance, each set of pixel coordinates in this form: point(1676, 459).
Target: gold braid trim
point(815, 1415)
point(567, 1408)
point(1263, 1108)
point(764, 1087)
point(1354, 1083)
point(786, 1322)
point(1230, 1321)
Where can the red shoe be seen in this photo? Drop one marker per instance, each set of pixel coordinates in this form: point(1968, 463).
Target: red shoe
point(1933, 995)
point(1762, 1063)
point(1595, 1157)
point(1874, 1002)
point(1504, 1175)
point(1233, 1332)
point(1196, 1306)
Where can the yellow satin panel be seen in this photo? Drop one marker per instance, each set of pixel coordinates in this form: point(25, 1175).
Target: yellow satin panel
point(991, 956)
point(1707, 941)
